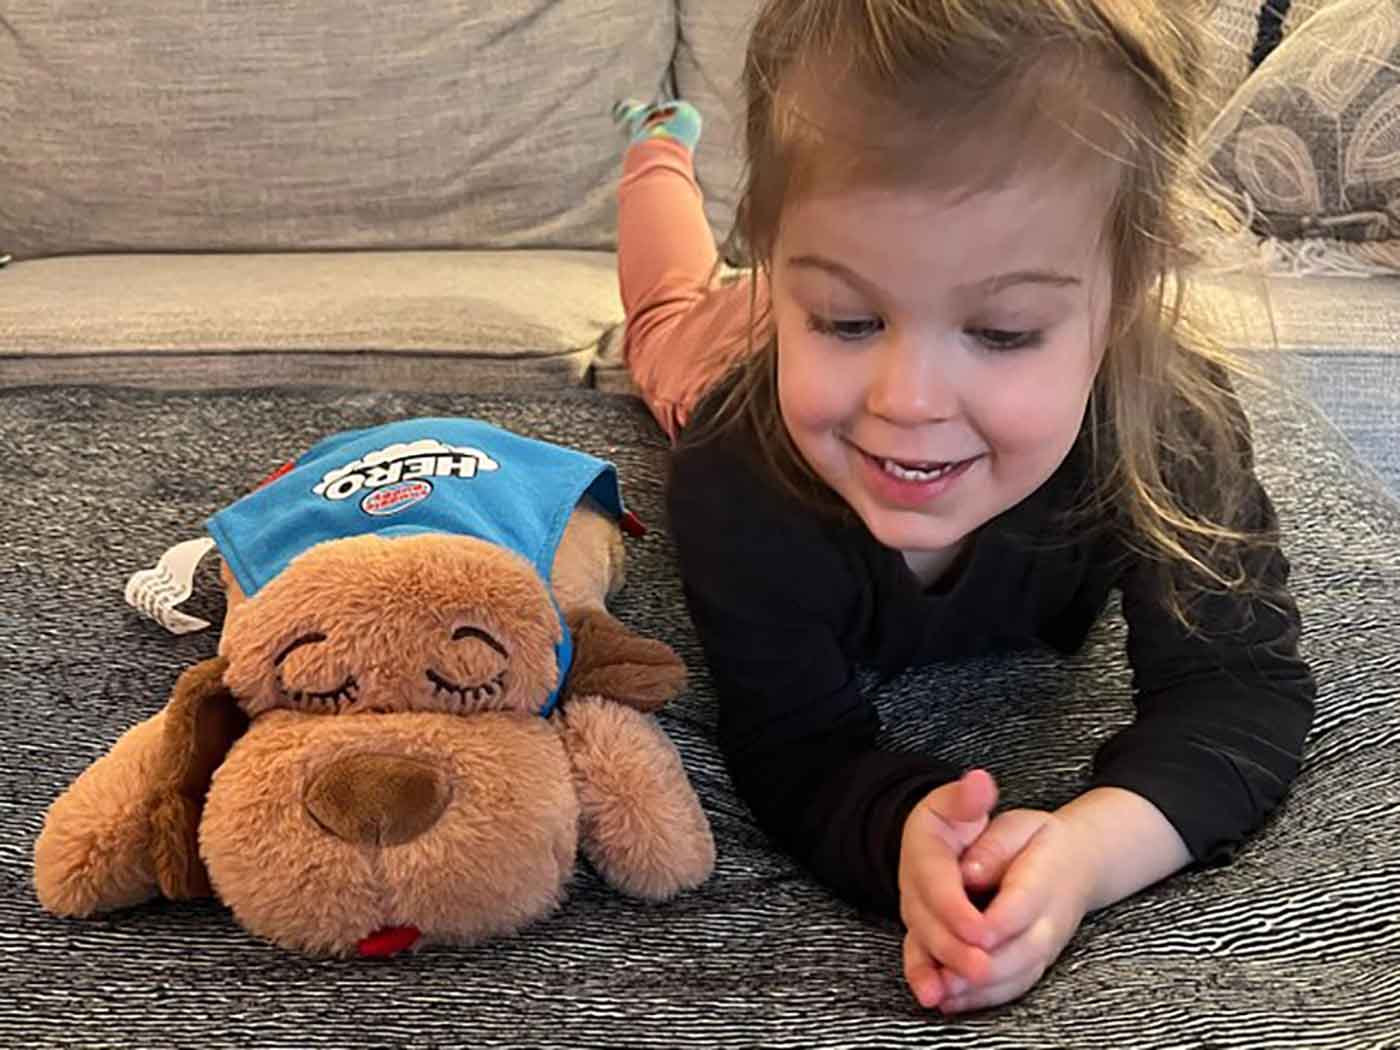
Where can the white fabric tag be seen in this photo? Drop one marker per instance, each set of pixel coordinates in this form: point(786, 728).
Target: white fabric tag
point(157, 591)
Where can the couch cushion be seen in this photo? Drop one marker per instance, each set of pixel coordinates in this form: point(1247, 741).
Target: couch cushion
point(406, 320)
point(1313, 315)
point(170, 125)
point(1312, 140)
point(1359, 393)
point(1341, 343)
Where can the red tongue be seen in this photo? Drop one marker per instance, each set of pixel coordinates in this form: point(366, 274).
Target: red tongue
point(389, 941)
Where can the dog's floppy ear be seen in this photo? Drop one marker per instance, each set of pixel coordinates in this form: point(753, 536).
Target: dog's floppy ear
point(609, 660)
point(613, 662)
point(202, 721)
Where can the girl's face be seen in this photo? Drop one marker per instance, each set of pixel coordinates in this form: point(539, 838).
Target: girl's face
point(936, 351)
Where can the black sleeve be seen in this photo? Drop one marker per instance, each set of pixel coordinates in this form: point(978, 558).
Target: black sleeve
point(1223, 711)
point(774, 599)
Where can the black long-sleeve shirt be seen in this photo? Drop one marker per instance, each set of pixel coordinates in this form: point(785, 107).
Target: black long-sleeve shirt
point(788, 602)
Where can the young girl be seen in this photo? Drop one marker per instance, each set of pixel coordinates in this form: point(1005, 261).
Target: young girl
point(949, 410)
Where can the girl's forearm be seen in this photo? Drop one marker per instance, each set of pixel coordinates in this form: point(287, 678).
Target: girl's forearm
point(1132, 844)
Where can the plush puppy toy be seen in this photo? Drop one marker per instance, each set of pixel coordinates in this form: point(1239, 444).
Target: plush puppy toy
point(420, 711)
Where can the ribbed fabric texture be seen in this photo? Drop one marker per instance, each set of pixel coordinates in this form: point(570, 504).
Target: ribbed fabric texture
point(1293, 945)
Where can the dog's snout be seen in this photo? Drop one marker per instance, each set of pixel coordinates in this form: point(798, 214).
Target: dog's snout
point(378, 800)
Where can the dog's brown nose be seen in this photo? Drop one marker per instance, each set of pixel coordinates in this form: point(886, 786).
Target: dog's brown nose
point(379, 800)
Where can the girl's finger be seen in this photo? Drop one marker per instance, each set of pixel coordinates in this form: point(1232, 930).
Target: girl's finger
point(1018, 980)
point(1024, 895)
point(986, 861)
point(1028, 954)
point(974, 799)
point(1013, 909)
point(934, 882)
point(945, 948)
point(921, 973)
point(950, 905)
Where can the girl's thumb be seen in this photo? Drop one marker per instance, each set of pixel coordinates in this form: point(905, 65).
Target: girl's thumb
point(974, 798)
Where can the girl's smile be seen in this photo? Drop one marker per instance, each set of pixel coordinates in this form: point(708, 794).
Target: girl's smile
point(909, 482)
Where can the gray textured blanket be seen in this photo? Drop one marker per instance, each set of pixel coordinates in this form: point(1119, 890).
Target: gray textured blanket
point(1295, 945)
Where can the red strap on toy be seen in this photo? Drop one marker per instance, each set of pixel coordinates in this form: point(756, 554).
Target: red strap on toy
point(283, 469)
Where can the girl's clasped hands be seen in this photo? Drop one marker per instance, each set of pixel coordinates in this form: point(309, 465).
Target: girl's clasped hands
point(1034, 870)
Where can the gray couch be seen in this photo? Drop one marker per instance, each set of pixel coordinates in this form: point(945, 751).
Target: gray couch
point(414, 196)
point(409, 195)
point(238, 224)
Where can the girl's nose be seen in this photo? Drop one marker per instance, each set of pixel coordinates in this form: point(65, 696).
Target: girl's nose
point(909, 383)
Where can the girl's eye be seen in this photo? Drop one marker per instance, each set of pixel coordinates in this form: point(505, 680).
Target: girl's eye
point(846, 331)
point(1001, 339)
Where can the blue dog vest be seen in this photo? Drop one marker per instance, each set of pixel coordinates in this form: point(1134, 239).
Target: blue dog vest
point(430, 475)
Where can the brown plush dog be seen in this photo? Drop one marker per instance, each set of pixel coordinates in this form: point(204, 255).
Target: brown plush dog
point(363, 767)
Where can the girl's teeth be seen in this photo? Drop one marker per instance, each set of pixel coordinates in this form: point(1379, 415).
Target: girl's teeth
point(911, 474)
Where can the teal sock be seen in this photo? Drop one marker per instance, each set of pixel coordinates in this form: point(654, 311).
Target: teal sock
point(670, 119)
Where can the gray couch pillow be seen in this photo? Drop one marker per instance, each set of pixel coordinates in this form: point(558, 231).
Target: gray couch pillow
point(709, 69)
point(160, 125)
point(1311, 142)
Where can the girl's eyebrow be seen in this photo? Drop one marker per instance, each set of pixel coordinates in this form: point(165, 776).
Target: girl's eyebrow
point(305, 639)
point(1002, 281)
point(987, 285)
point(829, 266)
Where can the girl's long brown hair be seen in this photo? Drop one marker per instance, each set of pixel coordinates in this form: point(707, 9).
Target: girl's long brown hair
point(862, 89)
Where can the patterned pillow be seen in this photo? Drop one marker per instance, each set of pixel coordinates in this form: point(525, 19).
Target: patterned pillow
point(1241, 34)
point(1311, 142)
point(1231, 33)
point(1299, 11)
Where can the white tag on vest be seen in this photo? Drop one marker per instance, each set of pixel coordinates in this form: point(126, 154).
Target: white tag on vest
point(157, 591)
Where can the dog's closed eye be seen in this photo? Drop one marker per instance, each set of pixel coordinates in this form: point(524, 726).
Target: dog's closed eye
point(475, 692)
point(473, 671)
point(311, 677)
point(328, 699)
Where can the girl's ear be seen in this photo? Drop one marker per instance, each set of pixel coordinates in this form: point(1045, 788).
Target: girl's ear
point(202, 721)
